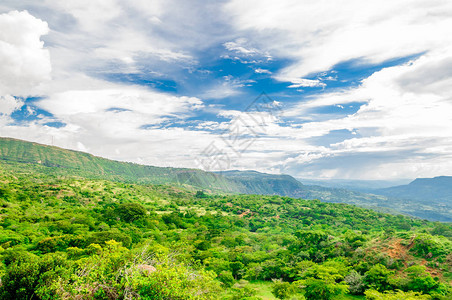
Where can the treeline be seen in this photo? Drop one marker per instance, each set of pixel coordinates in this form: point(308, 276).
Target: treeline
point(73, 238)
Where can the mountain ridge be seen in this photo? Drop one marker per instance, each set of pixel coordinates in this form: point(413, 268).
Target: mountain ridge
point(438, 188)
point(61, 161)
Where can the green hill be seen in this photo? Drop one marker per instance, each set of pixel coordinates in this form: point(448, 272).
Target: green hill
point(71, 162)
point(86, 165)
point(63, 236)
point(424, 189)
point(57, 161)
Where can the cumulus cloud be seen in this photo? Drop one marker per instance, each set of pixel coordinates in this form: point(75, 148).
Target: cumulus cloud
point(9, 104)
point(404, 111)
point(317, 35)
point(25, 63)
point(402, 128)
point(119, 122)
point(239, 47)
point(117, 112)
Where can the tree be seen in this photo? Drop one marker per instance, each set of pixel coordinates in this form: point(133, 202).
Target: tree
point(420, 280)
point(31, 276)
point(282, 290)
point(378, 278)
point(201, 194)
point(317, 289)
point(355, 283)
point(237, 269)
point(226, 278)
point(130, 212)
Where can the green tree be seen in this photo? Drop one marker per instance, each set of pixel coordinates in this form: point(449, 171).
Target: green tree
point(420, 280)
point(317, 289)
point(355, 283)
point(378, 278)
point(226, 278)
point(130, 212)
point(31, 277)
point(282, 290)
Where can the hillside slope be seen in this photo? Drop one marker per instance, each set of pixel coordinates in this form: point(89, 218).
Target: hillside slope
point(423, 189)
point(288, 186)
point(53, 160)
point(86, 165)
point(66, 237)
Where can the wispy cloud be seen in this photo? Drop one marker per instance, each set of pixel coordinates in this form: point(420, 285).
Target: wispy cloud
point(365, 87)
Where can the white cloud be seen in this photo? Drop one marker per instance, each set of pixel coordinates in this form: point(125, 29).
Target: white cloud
point(407, 111)
point(239, 47)
point(245, 53)
point(227, 87)
point(25, 63)
point(118, 122)
point(301, 82)
point(120, 109)
point(403, 127)
point(90, 15)
point(317, 35)
point(262, 71)
point(9, 104)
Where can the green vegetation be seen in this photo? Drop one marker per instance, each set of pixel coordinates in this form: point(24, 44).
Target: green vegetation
point(69, 237)
point(57, 161)
point(433, 196)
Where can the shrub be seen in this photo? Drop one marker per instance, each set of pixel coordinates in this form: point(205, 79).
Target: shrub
point(398, 295)
point(355, 283)
point(130, 212)
point(378, 278)
point(226, 278)
point(282, 290)
point(317, 289)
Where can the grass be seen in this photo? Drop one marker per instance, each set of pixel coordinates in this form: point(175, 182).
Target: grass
point(264, 291)
point(263, 288)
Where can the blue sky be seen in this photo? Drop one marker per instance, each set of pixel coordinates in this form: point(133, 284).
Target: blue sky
point(357, 89)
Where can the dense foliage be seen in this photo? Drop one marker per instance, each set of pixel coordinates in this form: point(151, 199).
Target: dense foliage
point(65, 237)
point(64, 162)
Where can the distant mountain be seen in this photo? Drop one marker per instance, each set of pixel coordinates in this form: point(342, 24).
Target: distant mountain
point(68, 162)
point(364, 186)
point(427, 198)
point(268, 184)
point(62, 161)
point(435, 193)
point(423, 189)
point(285, 185)
point(20, 155)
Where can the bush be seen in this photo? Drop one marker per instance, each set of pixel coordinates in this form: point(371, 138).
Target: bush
point(378, 278)
point(226, 278)
point(59, 243)
point(317, 289)
point(105, 236)
point(355, 283)
point(420, 280)
point(398, 295)
point(428, 246)
point(130, 212)
point(282, 290)
point(30, 276)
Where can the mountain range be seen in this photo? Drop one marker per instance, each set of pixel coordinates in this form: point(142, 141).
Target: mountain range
point(424, 198)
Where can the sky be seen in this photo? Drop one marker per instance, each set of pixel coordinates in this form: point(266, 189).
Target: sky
point(344, 89)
